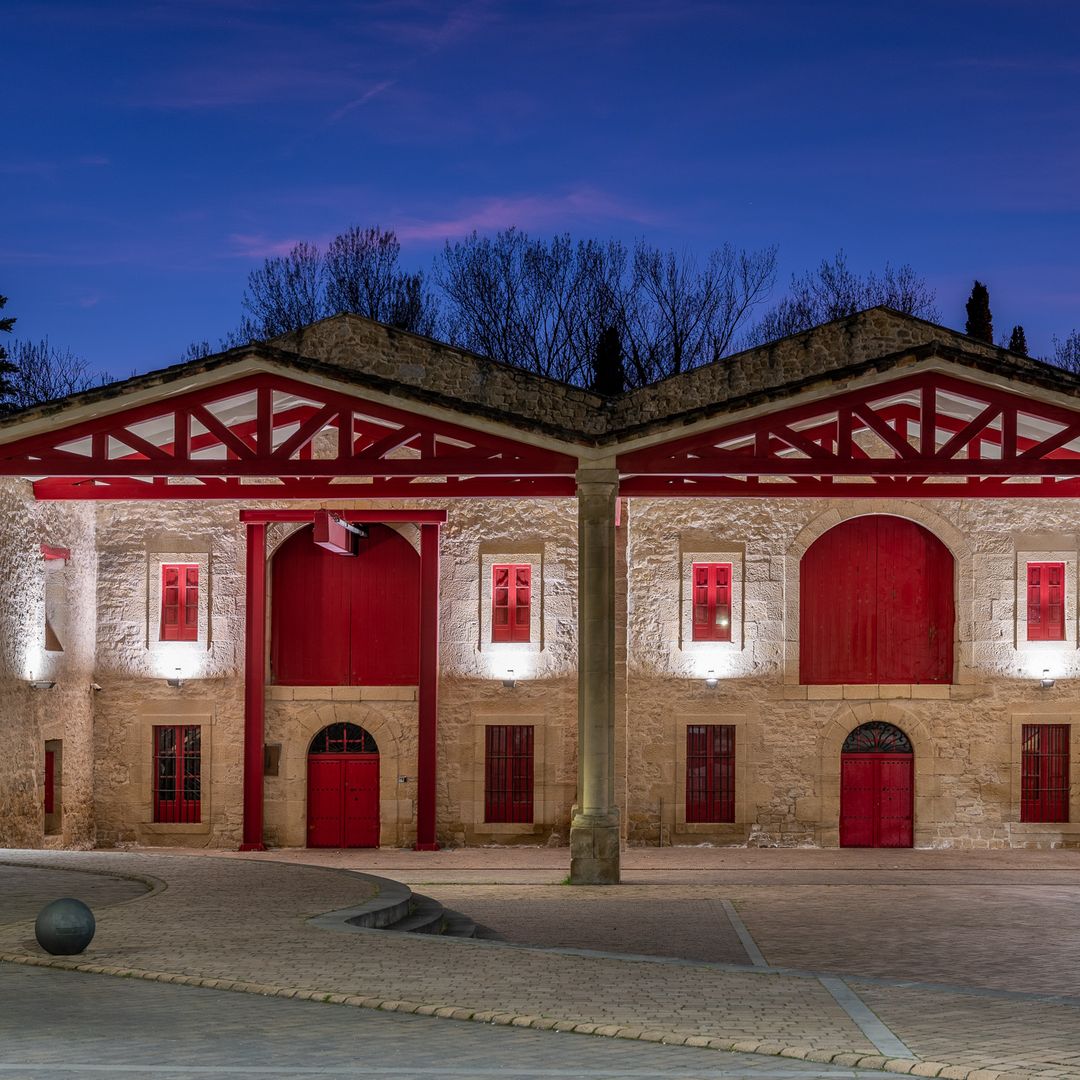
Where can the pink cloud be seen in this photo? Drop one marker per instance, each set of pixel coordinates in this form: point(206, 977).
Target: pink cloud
point(258, 246)
point(527, 211)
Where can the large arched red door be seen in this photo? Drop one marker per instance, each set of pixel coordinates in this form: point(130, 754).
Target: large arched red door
point(341, 620)
point(343, 788)
point(876, 605)
point(877, 789)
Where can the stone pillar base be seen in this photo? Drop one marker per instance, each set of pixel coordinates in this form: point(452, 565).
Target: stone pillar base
point(594, 849)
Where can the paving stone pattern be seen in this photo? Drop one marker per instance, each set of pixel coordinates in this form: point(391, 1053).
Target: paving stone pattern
point(25, 890)
point(114, 1024)
point(242, 918)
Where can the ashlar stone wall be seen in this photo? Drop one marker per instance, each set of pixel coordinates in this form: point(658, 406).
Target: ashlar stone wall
point(967, 735)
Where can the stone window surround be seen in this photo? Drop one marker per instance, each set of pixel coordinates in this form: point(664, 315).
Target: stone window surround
point(743, 816)
point(1041, 828)
point(155, 560)
point(540, 801)
point(733, 554)
point(143, 768)
point(1023, 557)
point(949, 535)
point(532, 556)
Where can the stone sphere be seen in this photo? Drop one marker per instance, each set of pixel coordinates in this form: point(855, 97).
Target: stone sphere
point(64, 927)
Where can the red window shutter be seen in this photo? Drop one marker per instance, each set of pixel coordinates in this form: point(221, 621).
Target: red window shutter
point(179, 603)
point(178, 773)
point(50, 781)
point(710, 772)
point(508, 773)
point(511, 602)
point(1046, 602)
point(711, 601)
point(1044, 772)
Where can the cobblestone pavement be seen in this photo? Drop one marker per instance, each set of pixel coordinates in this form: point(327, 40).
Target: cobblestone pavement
point(24, 890)
point(116, 1027)
point(190, 929)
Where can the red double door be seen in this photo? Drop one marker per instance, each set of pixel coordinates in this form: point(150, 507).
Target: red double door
point(343, 800)
point(876, 800)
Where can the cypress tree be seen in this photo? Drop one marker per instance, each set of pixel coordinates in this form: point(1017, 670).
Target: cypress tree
point(609, 372)
point(979, 323)
point(1018, 341)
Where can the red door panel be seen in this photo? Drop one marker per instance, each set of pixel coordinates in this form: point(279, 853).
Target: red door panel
point(876, 800)
point(858, 791)
point(876, 605)
point(895, 825)
point(339, 620)
point(361, 805)
point(343, 800)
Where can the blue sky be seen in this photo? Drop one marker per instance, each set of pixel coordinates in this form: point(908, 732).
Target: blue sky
point(153, 153)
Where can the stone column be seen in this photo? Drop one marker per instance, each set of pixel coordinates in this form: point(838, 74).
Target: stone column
point(594, 828)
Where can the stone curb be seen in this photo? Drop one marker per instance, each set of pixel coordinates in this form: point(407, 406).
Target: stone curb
point(849, 1059)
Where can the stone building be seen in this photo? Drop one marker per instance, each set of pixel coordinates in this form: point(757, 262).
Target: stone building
point(361, 588)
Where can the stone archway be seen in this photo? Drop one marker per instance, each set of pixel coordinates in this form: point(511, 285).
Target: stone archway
point(845, 720)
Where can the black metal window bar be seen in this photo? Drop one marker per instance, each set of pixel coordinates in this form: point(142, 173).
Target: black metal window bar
point(710, 772)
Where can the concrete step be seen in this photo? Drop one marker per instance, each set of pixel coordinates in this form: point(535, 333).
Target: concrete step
point(426, 916)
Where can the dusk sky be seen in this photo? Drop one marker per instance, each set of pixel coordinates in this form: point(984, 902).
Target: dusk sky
point(153, 153)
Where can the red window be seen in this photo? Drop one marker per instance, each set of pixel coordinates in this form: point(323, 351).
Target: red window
point(710, 772)
point(50, 781)
point(1044, 772)
point(178, 773)
point(508, 773)
point(1046, 601)
point(712, 601)
point(511, 602)
point(179, 603)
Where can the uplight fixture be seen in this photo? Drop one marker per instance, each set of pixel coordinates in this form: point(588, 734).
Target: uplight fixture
point(1046, 682)
point(41, 684)
point(176, 681)
point(509, 681)
point(711, 681)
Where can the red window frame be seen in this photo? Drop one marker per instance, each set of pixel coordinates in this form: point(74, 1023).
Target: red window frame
point(1045, 601)
point(511, 602)
point(179, 602)
point(1044, 772)
point(508, 773)
point(711, 599)
point(178, 773)
point(50, 781)
point(710, 772)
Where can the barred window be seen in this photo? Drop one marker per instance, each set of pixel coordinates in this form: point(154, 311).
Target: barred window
point(178, 773)
point(1044, 772)
point(508, 773)
point(710, 772)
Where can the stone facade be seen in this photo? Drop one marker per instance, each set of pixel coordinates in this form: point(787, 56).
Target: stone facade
point(112, 673)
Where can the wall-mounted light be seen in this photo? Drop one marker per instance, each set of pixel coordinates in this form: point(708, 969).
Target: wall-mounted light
point(41, 684)
point(175, 681)
point(96, 687)
point(1046, 682)
point(508, 680)
point(711, 681)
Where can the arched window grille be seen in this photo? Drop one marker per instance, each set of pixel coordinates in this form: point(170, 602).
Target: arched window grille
point(877, 737)
point(343, 739)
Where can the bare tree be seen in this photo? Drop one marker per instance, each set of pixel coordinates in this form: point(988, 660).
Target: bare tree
point(1067, 352)
point(544, 305)
point(285, 293)
point(834, 291)
point(44, 372)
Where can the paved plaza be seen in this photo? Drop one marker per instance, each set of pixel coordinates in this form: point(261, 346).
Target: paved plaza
point(930, 963)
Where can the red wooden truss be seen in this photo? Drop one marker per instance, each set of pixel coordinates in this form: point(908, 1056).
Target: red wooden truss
point(927, 435)
point(268, 436)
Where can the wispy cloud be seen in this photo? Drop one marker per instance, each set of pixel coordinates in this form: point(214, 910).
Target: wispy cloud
point(527, 211)
point(260, 246)
point(362, 100)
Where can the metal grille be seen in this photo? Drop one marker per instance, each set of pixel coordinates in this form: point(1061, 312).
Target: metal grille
point(1044, 772)
point(508, 773)
point(710, 772)
point(343, 739)
point(877, 737)
point(178, 773)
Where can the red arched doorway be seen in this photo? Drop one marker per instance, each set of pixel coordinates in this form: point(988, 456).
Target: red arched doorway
point(877, 790)
point(346, 620)
point(343, 788)
point(876, 605)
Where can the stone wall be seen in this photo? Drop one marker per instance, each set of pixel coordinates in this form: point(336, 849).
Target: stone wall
point(65, 712)
point(788, 735)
